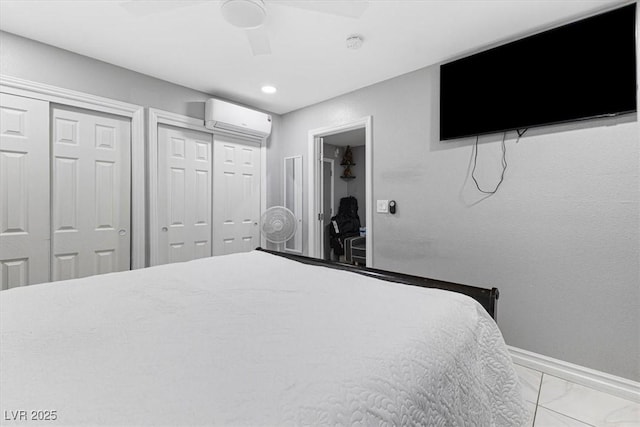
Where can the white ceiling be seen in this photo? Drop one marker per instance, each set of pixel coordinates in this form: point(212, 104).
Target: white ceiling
point(189, 43)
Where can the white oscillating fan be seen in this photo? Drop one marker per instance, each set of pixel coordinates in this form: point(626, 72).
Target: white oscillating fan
point(278, 224)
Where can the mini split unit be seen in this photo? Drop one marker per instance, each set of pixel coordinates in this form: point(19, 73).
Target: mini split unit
point(222, 115)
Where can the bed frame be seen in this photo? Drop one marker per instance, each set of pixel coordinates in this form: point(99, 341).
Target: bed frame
point(488, 298)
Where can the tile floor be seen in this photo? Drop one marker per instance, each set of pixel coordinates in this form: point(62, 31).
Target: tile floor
point(554, 402)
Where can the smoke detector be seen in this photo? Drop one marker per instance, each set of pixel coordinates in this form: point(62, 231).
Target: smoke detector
point(354, 42)
point(244, 13)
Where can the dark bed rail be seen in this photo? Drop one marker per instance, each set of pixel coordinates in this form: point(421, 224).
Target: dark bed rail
point(488, 298)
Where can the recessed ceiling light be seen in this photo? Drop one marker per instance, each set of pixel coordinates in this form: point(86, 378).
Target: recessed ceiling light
point(268, 89)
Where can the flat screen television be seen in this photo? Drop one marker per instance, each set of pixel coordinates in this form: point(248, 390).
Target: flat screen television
point(578, 71)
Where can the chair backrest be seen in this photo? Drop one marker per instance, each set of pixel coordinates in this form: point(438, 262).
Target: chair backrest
point(347, 218)
point(348, 207)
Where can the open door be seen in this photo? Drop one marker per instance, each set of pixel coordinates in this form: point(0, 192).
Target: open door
point(327, 203)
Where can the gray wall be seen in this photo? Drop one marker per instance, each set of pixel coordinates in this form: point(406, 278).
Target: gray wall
point(38, 62)
point(560, 239)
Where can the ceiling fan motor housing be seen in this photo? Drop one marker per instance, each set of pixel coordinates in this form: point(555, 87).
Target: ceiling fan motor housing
point(244, 13)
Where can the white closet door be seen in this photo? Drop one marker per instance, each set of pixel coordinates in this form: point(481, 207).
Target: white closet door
point(91, 193)
point(184, 194)
point(24, 191)
point(236, 189)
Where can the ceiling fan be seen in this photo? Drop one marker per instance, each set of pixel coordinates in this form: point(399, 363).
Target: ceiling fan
point(251, 15)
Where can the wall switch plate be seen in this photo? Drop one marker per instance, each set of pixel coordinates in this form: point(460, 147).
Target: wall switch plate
point(382, 206)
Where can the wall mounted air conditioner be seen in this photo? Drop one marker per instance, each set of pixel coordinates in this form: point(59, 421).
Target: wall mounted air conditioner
point(222, 115)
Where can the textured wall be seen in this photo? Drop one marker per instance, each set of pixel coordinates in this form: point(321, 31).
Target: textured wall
point(560, 239)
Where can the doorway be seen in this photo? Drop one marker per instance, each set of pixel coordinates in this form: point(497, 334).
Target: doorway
point(346, 150)
point(327, 146)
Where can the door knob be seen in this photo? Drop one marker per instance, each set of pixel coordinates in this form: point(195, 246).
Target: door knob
point(122, 232)
point(165, 229)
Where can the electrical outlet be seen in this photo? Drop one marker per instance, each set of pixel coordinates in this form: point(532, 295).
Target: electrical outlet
point(382, 206)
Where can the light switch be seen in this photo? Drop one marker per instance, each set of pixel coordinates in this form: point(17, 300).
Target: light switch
point(382, 206)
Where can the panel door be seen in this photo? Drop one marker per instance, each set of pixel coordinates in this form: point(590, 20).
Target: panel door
point(236, 206)
point(91, 193)
point(24, 191)
point(327, 204)
point(184, 194)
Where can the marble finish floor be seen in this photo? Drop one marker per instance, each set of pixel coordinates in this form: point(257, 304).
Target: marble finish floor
point(554, 402)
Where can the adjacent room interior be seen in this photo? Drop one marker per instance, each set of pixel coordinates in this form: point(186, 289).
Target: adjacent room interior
point(341, 153)
point(343, 173)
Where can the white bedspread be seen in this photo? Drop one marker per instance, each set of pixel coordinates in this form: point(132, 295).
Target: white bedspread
point(251, 339)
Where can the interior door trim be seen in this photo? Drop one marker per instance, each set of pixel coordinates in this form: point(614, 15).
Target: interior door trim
point(314, 143)
point(54, 94)
point(156, 117)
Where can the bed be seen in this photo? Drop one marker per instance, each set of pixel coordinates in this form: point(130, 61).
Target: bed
point(253, 339)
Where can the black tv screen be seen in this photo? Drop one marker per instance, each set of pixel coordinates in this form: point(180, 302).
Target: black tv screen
point(582, 70)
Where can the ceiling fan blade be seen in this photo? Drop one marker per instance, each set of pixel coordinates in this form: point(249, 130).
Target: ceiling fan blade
point(140, 8)
point(259, 41)
point(348, 8)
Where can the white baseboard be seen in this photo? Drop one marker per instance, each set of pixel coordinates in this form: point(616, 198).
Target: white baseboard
point(601, 381)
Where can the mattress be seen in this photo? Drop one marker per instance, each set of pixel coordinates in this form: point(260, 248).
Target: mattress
point(251, 339)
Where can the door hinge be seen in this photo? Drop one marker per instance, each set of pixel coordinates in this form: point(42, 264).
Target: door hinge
point(320, 217)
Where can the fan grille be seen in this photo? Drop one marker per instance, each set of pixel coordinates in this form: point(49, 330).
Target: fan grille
point(278, 224)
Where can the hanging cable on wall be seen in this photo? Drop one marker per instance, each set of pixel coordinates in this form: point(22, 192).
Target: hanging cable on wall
point(504, 162)
point(504, 166)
